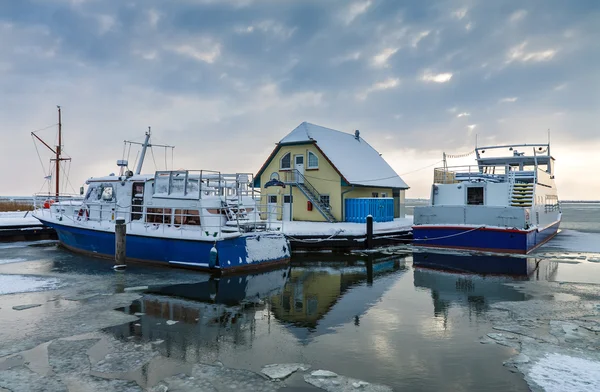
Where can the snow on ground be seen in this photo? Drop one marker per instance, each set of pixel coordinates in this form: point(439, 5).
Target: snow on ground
point(341, 228)
point(10, 284)
point(13, 260)
point(563, 373)
point(17, 218)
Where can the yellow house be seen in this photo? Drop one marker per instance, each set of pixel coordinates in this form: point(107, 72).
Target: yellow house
point(319, 174)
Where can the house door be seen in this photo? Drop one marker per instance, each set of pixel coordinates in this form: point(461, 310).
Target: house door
point(299, 165)
point(287, 207)
point(272, 207)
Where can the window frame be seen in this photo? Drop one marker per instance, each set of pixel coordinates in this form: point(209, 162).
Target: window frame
point(328, 204)
point(308, 165)
point(281, 167)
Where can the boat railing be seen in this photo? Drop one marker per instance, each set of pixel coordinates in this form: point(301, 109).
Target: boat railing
point(196, 184)
point(489, 173)
point(188, 222)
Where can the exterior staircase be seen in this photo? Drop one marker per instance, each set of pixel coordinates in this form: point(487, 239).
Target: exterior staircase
point(296, 178)
point(522, 195)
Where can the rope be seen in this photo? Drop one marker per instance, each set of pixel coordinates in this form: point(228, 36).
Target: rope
point(43, 129)
point(152, 152)
point(314, 240)
point(38, 154)
point(449, 236)
point(376, 179)
point(460, 155)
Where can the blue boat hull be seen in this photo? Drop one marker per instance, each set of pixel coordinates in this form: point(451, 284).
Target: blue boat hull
point(482, 239)
point(233, 253)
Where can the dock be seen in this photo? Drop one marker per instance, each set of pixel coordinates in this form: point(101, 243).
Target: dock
point(345, 236)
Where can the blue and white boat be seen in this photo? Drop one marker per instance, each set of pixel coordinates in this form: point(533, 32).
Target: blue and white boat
point(197, 219)
point(508, 203)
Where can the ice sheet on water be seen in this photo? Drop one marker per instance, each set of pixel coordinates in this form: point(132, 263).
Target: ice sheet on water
point(12, 260)
point(10, 284)
point(573, 241)
point(333, 382)
point(281, 371)
point(563, 373)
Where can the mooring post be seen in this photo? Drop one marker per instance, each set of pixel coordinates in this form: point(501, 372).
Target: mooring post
point(370, 259)
point(120, 243)
point(369, 241)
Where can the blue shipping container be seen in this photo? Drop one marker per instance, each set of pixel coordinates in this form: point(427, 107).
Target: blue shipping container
point(380, 208)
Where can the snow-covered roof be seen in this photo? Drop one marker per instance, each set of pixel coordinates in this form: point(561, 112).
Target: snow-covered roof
point(137, 177)
point(354, 158)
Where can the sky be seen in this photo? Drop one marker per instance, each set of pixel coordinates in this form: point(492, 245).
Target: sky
point(224, 80)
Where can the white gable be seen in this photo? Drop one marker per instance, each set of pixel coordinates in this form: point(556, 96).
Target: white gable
point(356, 160)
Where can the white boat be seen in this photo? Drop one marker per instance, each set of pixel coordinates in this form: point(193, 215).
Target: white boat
point(508, 203)
point(197, 219)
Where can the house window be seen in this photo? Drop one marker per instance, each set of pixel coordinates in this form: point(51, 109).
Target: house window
point(274, 176)
point(287, 199)
point(475, 196)
point(286, 162)
point(325, 200)
point(272, 199)
point(383, 194)
point(313, 161)
point(375, 194)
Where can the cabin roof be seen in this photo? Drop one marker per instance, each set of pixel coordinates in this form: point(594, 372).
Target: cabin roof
point(354, 159)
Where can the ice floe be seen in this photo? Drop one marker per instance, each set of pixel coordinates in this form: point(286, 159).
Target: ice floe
point(563, 373)
point(333, 382)
point(284, 370)
point(10, 284)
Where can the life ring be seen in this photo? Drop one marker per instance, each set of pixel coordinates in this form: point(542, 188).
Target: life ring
point(48, 203)
point(83, 213)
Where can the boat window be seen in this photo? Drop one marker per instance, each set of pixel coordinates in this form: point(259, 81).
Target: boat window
point(107, 193)
point(475, 195)
point(187, 217)
point(158, 215)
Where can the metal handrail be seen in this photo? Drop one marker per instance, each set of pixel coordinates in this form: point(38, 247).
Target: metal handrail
point(79, 211)
point(322, 207)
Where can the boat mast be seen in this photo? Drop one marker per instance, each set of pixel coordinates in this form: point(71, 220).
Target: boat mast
point(145, 146)
point(58, 153)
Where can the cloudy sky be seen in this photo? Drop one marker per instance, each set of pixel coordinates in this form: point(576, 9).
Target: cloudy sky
point(224, 80)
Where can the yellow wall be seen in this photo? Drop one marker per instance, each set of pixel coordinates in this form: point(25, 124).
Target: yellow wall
point(325, 179)
point(309, 302)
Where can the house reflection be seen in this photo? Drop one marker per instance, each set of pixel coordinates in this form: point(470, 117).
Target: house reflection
point(475, 281)
point(321, 295)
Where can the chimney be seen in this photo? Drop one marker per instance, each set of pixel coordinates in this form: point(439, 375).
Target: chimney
point(357, 134)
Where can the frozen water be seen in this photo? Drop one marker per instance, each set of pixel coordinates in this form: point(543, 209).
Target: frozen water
point(10, 284)
point(12, 260)
point(281, 371)
point(332, 382)
point(563, 373)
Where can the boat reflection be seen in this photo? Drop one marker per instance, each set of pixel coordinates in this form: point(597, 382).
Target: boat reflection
point(190, 321)
point(475, 281)
point(323, 295)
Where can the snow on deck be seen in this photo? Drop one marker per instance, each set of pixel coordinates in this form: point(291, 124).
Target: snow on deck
point(17, 218)
point(341, 228)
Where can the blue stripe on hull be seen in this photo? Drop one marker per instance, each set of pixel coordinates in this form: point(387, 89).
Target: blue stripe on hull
point(232, 252)
point(480, 264)
point(493, 240)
